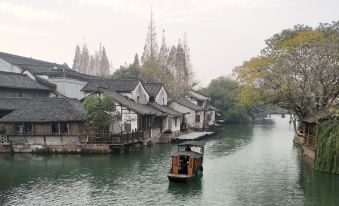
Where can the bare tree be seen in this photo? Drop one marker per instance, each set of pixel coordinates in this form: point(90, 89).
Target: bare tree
point(150, 54)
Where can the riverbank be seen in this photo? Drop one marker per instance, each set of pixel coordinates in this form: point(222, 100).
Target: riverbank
point(64, 147)
point(244, 165)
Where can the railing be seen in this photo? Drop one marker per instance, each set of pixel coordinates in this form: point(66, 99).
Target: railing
point(109, 138)
point(309, 141)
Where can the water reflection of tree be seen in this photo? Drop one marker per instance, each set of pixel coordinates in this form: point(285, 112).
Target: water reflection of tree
point(319, 188)
point(232, 138)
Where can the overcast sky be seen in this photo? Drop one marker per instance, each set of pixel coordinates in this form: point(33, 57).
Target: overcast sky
point(221, 33)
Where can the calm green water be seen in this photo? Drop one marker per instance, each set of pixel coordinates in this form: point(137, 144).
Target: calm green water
point(247, 165)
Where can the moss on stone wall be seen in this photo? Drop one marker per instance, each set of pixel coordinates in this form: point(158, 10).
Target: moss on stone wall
point(327, 147)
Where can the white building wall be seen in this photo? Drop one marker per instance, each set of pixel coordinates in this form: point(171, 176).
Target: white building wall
point(176, 128)
point(212, 117)
point(162, 97)
point(201, 123)
point(7, 67)
point(68, 87)
point(142, 93)
point(127, 116)
point(165, 124)
point(189, 118)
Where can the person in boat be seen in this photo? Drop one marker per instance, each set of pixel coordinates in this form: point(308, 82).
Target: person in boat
point(184, 167)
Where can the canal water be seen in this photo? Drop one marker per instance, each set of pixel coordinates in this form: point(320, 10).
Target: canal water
point(246, 165)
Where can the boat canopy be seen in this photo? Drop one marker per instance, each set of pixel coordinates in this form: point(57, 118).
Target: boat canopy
point(187, 153)
point(192, 143)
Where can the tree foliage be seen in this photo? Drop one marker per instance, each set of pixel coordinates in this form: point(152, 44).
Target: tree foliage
point(96, 108)
point(223, 93)
point(172, 68)
point(130, 72)
point(150, 54)
point(76, 60)
point(95, 64)
point(298, 70)
point(327, 144)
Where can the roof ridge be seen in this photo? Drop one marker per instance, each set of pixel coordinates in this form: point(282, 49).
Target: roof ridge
point(13, 73)
point(30, 58)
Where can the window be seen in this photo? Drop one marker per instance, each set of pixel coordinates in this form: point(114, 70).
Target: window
point(23, 128)
point(28, 128)
point(64, 128)
point(197, 118)
point(55, 128)
point(19, 128)
point(175, 122)
point(163, 101)
point(138, 99)
point(60, 128)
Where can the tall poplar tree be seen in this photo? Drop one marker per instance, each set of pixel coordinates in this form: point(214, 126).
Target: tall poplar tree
point(76, 60)
point(150, 54)
point(136, 62)
point(92, 65)
point(104, 63)
point(180, 64)
point(163, 54)
point(171, 61)
point(84, 60)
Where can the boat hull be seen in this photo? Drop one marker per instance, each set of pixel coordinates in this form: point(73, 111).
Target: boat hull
point(182, 178)
point(179, 178)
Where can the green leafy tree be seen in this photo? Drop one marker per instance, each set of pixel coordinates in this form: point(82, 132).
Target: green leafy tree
point(130, 72)
point(97, 109)
point(223, 92)
point(298, 70)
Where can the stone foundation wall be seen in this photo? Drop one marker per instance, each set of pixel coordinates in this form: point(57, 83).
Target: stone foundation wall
point(5, 148)
point(298, 139)
point(309, 152)
point(44, 140)
point(166, 138)
point(80, 148)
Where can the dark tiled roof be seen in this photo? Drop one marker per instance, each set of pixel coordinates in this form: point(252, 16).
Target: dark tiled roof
point(187, 153)
point(166, 109)
point(16, 59)
point(197, 95)
point(19, 81)
point(317, 117)
point(210, 107)
point(193, 143)
point(186, 103)
point(118, 85)
point(42, 110)
point(152, 88)
point(142, 109)
point(39, 67)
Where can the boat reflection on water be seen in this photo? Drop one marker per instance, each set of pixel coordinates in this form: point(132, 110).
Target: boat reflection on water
point(192, 187)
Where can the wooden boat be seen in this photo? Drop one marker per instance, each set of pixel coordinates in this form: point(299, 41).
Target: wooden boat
point(187, 161)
